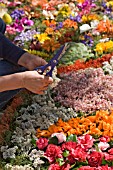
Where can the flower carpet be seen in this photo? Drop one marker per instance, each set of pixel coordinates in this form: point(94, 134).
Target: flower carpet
point(70, 127)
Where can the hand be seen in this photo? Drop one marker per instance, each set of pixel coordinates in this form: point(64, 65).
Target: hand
point(34, 82)
point(31, 61)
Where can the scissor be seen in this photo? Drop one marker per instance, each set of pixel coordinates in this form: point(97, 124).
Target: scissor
point(53, 62)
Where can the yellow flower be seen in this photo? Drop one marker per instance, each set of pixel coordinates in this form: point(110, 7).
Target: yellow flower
point(109, 4)
point(65, 10)
point(104, 47)
point(42, 37)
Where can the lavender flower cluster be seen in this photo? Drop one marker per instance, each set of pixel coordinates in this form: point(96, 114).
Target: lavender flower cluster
point(25, 36)
point(86, 90)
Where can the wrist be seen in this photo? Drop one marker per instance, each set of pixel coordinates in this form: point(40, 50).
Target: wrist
point(25, 60)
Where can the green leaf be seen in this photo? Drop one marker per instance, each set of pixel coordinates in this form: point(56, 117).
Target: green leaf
point(33, 142)
point(72, 138)
point(104, 162)
point(53, 140)
point(65, 153)
point(60, 161)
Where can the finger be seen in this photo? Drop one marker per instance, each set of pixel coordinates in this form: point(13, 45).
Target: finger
point(48, 79)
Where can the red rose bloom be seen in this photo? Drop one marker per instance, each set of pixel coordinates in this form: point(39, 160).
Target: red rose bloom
point(69, 146)
point(41, 143)
point(53, 152)
point(95, 159)
point(54, 167)
point(65, 167)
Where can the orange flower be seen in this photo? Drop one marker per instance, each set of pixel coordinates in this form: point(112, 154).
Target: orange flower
point(50, 45)
point(49, 23)
point(100, 124)
point(49, 31)
point(69, 24)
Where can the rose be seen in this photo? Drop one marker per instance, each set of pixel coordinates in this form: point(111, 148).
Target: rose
point(53, 152)
point(95, 159)
point(41, 143)
point(65, 167)
point(54, 167)
point(61, 137)
point(110, 151)
point(86, 141)
point(77, 154)
point(69, 146)
point(86, 168)
point(105, 139)
point(108, 157)
point(103, 168)
point(103, 146)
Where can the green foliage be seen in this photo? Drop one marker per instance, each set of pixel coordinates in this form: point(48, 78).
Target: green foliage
point(75, 52)
point(72, 138)
point(53, 140)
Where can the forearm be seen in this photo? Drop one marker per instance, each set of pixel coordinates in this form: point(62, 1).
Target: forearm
point(11, 82)
point(9, 51)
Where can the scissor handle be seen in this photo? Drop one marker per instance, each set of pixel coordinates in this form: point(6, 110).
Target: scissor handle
point(54, 61)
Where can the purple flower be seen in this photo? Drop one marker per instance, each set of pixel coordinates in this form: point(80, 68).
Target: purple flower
point(17, 14)
point(59, 26)
point(87, 40)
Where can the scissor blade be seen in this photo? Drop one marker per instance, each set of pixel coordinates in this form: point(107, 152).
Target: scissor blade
point(64, 48)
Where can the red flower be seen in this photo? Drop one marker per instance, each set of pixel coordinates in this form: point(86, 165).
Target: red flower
point(86, 168)
point(53, 152)
point(69, 146)
point(42, 143)
point(95, 159)
point(54, 167)
point(65, 167)
point(105, 139)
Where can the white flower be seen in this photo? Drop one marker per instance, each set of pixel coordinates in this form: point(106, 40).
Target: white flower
point(105, 18)
point(84, 28)
point(48, 14)
point(103, 146)
point(94, 23)
point(104, 40)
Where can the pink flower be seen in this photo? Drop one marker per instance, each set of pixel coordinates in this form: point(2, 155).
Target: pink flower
point(10, 30)
point(42, 143)
point(86, 168)
point(77, 154)
point(86, 141)
point(69, 146)
point(53, 152)
point(54, 167)
point(110, 151)
point(103, 146)
point(108, 157)
point(95, 159)
point(61, 137)
point(103, 168)
point(105, 139)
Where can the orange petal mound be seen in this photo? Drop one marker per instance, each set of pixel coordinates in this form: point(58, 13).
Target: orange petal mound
point(100, 124)
point(79, 64)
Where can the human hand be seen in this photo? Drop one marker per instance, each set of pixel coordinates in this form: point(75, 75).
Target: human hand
point(31, 61)
point(34, 82)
